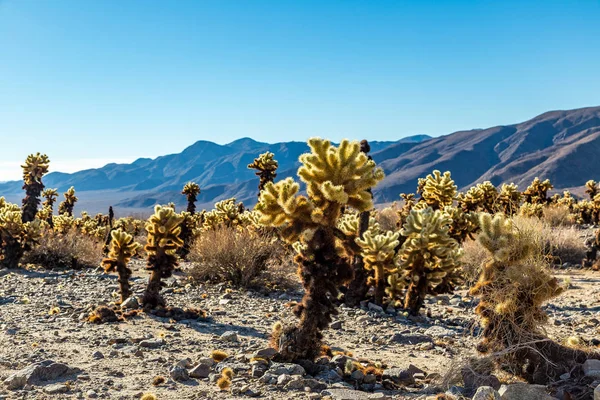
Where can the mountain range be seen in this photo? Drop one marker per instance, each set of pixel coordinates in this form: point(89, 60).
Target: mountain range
point(559, 145)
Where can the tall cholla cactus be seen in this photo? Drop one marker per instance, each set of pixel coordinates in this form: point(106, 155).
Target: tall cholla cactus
point(48, 205)
point(163, 241)
point(438, 190)
point(335, 178)
point(537, 192)
point(265, 166)
point(66, 207)
point(591, 188)
point(122, 248)
point(378, 252)
point(428, 257)
point(36, 165)
point(191, 190)
point(481, 197)
point(16, 237)
point(509, 199)
point(512, 288)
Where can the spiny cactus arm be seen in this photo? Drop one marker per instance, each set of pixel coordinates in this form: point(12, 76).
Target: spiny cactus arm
point(378, 252)
point(122, 248)
point(36, 166)
point(439, 190)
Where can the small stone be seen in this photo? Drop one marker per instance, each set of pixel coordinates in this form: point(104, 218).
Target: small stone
point(289, 369)
point(375, 307)
point(523, 391)
point(56, 388)
point(358, 375)
point(130, 302)
point(152, 343)
point(336, 325)
point(591, 368)
point(486, 393)
point(185, 363)
point(91, 394)
point(200, 371)
point(97, 355)
point(179, 374)
point(283, 379)
point(230, 336)
point(266, 353)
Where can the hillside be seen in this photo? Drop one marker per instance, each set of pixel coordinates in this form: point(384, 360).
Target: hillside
point(559, 145)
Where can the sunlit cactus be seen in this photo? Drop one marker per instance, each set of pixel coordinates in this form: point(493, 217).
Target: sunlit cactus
point(265, 166)
point(537, 192)
point(226, 213)
point(439, 190)
point(464, 224)
point(509, 199)
point(408, 204)
point(191, 191)
point(16, 236)
point(122, 248)
point(481, 197)
point(50, 196)
point(513, 286)
point(591, 188)
point(35, 167)
point(428, 256)
point(378, 252)
point(335, 178)
point(567, 200)
point(66, 207)
point(163, 227)
point(532, 210)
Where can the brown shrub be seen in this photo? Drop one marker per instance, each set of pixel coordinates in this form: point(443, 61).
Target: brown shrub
point(388, 219)
point(557, 215)
point(234, 255)
point(471, 261)
point(69, 250)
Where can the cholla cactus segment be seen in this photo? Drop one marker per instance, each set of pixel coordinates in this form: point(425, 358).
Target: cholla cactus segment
point(532, 210)
point(63, 223)
point(341, 175)
point(163, 227)
point(591, 188)
point(464, 224)
point(482, 197)
point(509, 199)
point(122, 248)
point(349, 224)
point(378, 252)
point(191, 190)
point(34, 168)
point(439, 190)
point(16, 237)
point(428, 256)
point(567, 200)
point(66, 207)
point(265, 166)
point(537, 192)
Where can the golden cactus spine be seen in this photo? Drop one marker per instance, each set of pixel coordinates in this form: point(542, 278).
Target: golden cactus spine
point(35, 167)
point(163, 227)
point(66, 207)
point(266, 167)
point(122, 248)
point(335, 177)
point(429, 256)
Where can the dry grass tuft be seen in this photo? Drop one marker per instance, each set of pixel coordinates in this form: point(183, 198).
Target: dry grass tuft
point(70, 250)
point(219, 355)
point(240, 257)
point(557, 215)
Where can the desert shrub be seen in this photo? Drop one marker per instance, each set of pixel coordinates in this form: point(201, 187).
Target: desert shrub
point(68, 250)
point(558, 215)
point(233, 255)
point(388, 219)
point(473, 253)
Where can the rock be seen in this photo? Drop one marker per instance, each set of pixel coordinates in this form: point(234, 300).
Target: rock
point(230, 336)
point(179, 374)
point(369, 379)
point(358, 375)
point(329, 375)
point(91, 394)
point(345, 394)
point(403, 376)
point(259, 370)
point(33, 374)
point(200, 371)
point(266, 353)
point(97, 355)
point(474, 380)
point(56, 388)
point(208, 361)
point(486, 393)
point(130, 302)
point(439, 332)
point(597, 393)
point(152, 343)
point(185, 363)
point(336, 325)
point(591, 368)
point(379, 396)
point(375, 307)
point(523, 391)
point(410, 339)
point(289, 369)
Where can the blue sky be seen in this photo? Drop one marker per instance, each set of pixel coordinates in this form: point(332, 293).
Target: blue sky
point(93, 81)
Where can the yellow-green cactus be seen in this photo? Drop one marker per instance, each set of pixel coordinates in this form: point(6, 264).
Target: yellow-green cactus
point(335, 178)
point(16, 237)
point(122, 248)
point(66, 207)
point(509, 199)
point(50, 196)
point(378, 252)
point(532, 210)
point(464, 224)
point(591, 188)
point(481, 197)
point(265, 166)
point(408, 203)
point(439, 190)
point(191, 190)
point(428, 257)
point(537, 192)
point(163, 227)
point(35, 167)
point(513, 286)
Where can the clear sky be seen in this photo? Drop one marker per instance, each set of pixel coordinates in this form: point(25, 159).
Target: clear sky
point(93, 81)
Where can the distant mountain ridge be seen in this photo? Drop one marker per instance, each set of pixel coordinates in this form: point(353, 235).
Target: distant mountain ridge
point(559, 145)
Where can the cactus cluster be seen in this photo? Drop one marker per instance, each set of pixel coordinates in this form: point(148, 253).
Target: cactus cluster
point(266, 167)
point(335, 178)
point(66, 207)
point(537, 192)
point(16, 236)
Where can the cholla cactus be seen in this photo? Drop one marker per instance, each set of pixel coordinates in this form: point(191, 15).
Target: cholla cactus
point(512, 288)
point(537, 192)
point(378, 252)
point(16, 236)
point(428, 257)
point(63, 223)
point(335, 178)
point(509, 199)
point(66, 207)
point(35, 167)
point(122, 248)
point(481, 197)
point(567, 200)
point(48, 205)
point(532, 210)
point(163, 229)
point(191, 190)
point(226, 213)
point(409, 202)
point(265, 166)
point(464, 224)
point(439, 190)
point(591, 188)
